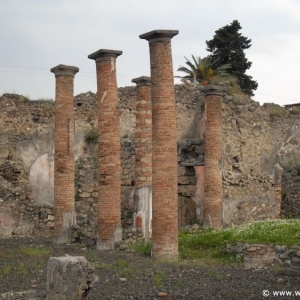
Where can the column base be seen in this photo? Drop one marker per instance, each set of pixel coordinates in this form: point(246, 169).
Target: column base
point(64, 236)
point(111, 243)
point(143, 210)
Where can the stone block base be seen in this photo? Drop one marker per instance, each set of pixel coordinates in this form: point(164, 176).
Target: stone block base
point(258, 256)
point(111, 243)
point(69, 278)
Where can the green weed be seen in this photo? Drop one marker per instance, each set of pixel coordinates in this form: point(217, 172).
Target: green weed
point(159, 279)
point(277, 112)
point(6, 269)
point(142, 248)
point(122, 263)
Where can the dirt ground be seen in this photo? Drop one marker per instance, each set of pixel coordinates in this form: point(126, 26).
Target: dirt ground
point(129, 275)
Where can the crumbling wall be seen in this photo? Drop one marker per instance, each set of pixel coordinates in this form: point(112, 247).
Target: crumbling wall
point(248, 163)
point(26, 160)
point(285, 124)
point(255, 140)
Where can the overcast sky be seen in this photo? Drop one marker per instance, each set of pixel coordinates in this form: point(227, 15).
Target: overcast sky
point(37, 35)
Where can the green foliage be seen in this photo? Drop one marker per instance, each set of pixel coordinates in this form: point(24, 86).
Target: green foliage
point(207, 243)
point(142, 248)
point(6, 269)
point(159, 279)
point(201, 70)
point(91, 136)
point(121, 263)
point(228, 45)
point(292, 163)
point(295, 111)
point(35, 251)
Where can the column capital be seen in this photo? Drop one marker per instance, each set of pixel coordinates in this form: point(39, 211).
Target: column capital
point(159, 35)
point(141, 81)
point(214, 90)
point(63, 70)
point(104, 54)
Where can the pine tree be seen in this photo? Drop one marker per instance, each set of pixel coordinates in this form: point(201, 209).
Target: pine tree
point(228, 46)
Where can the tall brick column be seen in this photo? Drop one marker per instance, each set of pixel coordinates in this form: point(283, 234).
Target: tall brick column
point(213, 156)
point(109, 157)
point(64, 162)
point(164, 146)
point(143, 157)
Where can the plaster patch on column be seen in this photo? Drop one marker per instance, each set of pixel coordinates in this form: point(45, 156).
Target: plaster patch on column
point(64, 236)
point(103, 96)
point(112, 64)
point(110, 244)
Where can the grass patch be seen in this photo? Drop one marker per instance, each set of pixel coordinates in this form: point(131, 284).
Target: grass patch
point(207, 244)
point(159, 279)
point(121, 263)
point(6, 269)
point(290, 164)
point(35, 251)
point(142, 248)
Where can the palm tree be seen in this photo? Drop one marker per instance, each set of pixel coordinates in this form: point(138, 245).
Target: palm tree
point(201, 70)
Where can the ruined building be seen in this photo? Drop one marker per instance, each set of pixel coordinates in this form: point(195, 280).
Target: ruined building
point(255, 149)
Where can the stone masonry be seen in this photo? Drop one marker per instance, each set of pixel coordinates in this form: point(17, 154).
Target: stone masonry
point(143, 157)
point(64, 170)
point(164, 147)
point(109, 160)
point(213, 157)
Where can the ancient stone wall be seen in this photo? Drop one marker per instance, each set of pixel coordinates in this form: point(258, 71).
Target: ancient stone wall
point(248, 163)
point(256, 138)
point(27, 161)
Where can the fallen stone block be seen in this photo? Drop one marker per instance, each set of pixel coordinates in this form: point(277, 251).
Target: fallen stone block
point(69, 278)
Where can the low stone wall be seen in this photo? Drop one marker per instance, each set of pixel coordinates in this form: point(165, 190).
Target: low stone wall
point(283, 253)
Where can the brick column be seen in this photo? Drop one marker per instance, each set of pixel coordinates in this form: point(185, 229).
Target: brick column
point(164, 146)
point(213, 156)
point(109, 158)
point(143, 157)
point(64, 162)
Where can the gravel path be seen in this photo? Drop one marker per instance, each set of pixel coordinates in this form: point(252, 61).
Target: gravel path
point(128, 275)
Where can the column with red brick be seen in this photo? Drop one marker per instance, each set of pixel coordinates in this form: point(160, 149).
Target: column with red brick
point(109, 157)
point(143, 157)
point(64, 162)
point(164, 146)
point(213, 189)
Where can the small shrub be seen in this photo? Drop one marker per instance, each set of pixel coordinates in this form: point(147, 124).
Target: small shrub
point(91, 136)
point(295, 111)
point(291, 164)
point(277, 112)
